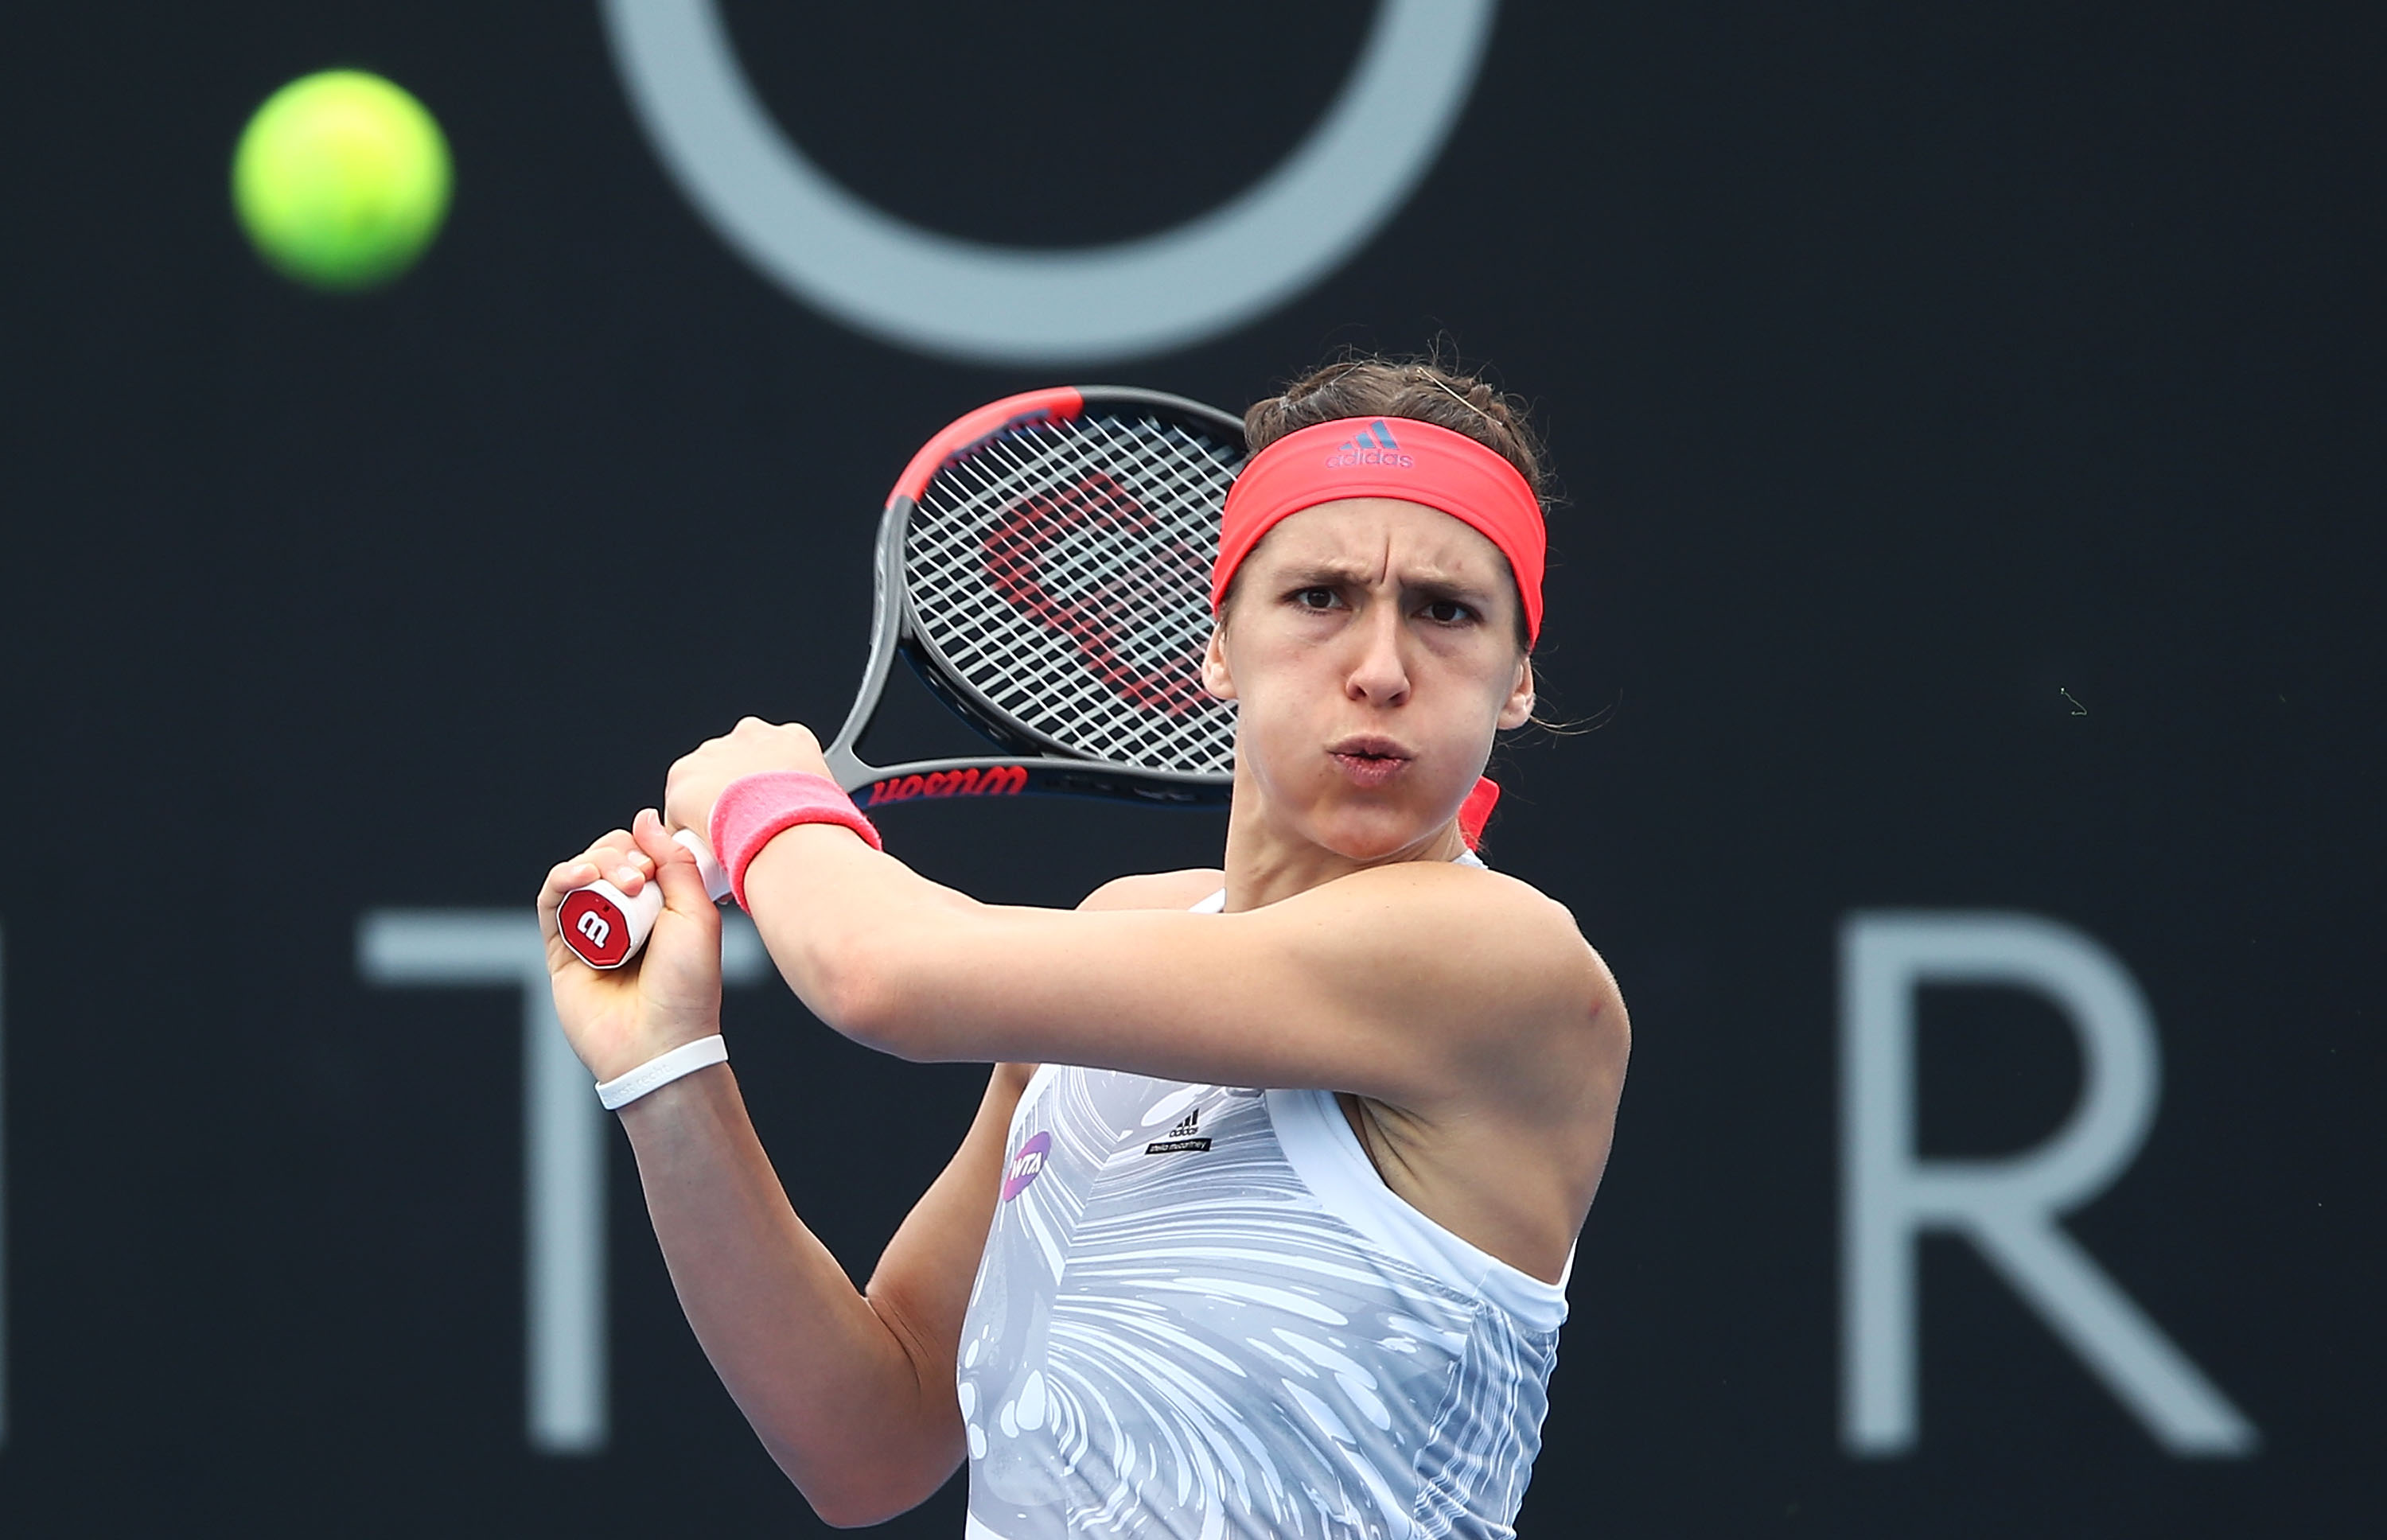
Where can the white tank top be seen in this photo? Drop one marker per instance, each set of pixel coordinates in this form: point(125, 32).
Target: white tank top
point(1201, 1313)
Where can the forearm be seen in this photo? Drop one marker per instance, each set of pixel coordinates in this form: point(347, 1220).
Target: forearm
point(834, 1390)
point(906, 966)
point(909, 967)
point(850, 929)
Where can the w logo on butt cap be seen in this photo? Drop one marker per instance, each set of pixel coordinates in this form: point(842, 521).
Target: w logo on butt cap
point(1376, 435)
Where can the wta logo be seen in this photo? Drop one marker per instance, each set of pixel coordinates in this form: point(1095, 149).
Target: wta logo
point(995, 780)
point(1026, 1167)
point(1373, 444)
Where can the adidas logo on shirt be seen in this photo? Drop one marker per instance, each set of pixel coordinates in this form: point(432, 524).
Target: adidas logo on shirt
point(1186, 1135)
point(1373, 444)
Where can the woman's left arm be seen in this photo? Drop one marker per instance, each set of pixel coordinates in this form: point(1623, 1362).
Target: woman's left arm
point(1404, 982)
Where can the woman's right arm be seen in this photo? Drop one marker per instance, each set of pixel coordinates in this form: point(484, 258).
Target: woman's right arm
point(851, 1391)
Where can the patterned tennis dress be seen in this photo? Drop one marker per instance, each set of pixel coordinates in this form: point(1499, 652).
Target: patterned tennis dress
point(1201, 1313)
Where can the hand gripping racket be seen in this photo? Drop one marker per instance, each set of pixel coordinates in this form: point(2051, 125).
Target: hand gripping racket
point(1044, 568)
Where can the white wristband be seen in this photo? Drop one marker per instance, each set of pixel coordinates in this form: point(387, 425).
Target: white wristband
point(662, 1070)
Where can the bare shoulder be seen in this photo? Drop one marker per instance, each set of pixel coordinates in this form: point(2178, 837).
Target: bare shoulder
point(1156, 889)
point(1429, 895)
point(1484, 931)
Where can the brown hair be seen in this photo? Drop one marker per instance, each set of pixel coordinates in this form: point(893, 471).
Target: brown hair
point(1424, 389)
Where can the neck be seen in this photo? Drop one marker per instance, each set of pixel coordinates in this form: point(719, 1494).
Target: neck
point(1267, 862)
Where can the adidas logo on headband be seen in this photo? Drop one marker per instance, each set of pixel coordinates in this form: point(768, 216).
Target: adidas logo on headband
point(1373, 444)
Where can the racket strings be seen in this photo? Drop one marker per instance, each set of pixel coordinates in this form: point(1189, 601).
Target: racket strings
point(1081, 591)
point(1150, 587)
point(1102, 619)
point(1063, 570)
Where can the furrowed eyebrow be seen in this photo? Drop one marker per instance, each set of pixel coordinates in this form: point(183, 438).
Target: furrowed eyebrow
point(1430, 584)
point(1455, 590)
point(1324, 574)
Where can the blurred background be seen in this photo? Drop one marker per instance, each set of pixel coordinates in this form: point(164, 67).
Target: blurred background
point(1970, 427)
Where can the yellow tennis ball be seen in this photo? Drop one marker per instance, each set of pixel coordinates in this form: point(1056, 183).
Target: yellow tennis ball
point(341, 179)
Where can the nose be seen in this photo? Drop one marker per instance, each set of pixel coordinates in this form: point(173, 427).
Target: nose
point(1380, 674)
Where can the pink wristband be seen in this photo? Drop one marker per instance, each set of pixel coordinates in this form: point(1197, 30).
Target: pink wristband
point(752, 810)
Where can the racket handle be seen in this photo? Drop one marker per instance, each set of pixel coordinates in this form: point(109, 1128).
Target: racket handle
point(605, 928)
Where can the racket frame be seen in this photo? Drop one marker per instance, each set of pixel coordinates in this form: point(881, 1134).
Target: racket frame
point(1034, 765)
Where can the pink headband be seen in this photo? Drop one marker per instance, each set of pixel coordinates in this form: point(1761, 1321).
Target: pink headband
point(1361, 457)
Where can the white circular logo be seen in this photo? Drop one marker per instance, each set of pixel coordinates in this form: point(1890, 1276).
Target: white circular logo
point(1012, 305)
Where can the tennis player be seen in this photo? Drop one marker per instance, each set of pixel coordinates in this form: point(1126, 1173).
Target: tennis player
point(1264, 1223)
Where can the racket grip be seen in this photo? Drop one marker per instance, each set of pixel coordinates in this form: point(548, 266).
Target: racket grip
point(605, 928)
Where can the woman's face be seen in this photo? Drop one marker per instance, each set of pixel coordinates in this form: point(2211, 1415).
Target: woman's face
point(1371, 646)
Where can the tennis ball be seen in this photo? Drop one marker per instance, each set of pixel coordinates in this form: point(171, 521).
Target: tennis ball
point(341, 179)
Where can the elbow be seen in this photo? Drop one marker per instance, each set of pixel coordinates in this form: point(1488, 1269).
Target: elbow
point(865, 997)
point(840, 1513)
point(861, 1498)
point(847, 1513)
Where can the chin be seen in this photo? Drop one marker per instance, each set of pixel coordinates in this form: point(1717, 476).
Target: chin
point(1369, 834)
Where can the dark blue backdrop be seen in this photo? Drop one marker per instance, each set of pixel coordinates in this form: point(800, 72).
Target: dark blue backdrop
point(1971, 423)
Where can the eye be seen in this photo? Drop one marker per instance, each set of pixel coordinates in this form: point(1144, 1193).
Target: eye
point(1448, 612)
point(1314, 598)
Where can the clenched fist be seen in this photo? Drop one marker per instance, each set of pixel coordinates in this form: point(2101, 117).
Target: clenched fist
point(671, 994)
point(751, 748)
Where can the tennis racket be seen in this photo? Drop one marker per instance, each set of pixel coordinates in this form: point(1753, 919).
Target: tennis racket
point(1043, 567)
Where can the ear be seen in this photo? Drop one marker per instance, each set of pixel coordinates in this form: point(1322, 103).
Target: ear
point(1216, 676)
point(1518, 709)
